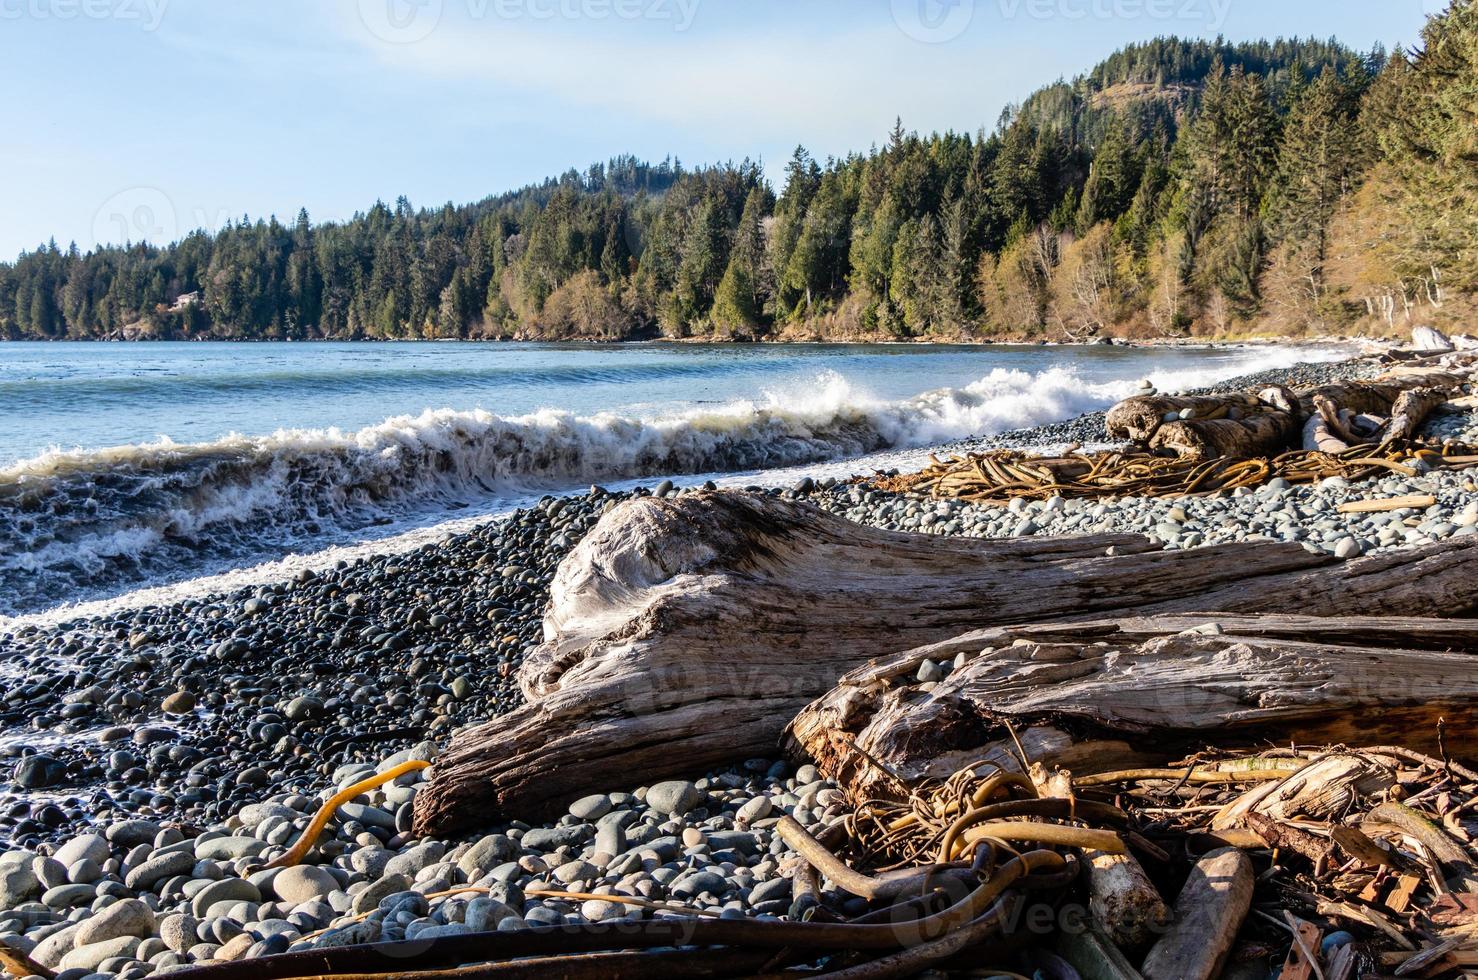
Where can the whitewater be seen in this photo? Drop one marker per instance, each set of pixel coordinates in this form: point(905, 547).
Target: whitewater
point(95, 524)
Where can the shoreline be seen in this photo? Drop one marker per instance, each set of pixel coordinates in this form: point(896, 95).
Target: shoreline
point(106, 519)
point(182, 743)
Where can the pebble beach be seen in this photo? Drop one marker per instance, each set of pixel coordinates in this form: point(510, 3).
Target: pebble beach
point(155, 758)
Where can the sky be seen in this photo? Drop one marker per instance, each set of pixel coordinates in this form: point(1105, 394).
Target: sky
point(129, 120)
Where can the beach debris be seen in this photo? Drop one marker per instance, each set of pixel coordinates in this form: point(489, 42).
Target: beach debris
point(683, 632)
point(1128, 694)
point(1209, 914)
point(1000, 476)
point(309, 837)
point(1205, 444)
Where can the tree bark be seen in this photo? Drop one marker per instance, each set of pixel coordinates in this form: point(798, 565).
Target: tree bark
point(686, 633)
point(1078, 696)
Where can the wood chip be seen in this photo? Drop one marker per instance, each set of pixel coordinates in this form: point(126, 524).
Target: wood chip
point(1300, 964)
point(1400, 898)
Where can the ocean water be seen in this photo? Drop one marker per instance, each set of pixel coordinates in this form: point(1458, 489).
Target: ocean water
point(130, 466)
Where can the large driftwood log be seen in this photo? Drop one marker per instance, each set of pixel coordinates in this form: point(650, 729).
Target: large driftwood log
point(1350, 413)
point(1137, 419)
point(685, 633)
point(1269, 423)
point(1076, 695)
point(1203, 426)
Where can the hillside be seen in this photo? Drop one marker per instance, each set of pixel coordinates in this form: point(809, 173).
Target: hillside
point(1178, 188)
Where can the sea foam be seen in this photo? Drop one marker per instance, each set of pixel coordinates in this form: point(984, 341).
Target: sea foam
point(75, 524)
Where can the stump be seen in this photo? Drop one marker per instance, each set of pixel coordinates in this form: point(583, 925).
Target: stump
point(686, 633)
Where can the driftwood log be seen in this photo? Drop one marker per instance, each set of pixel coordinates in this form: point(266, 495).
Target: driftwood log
point(1078, 695)
point(1205, 426)
point(1270, 422)
point(1352, 413)
point(684, 633)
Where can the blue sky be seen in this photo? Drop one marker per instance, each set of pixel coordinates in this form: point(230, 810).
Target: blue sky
point(133, 119)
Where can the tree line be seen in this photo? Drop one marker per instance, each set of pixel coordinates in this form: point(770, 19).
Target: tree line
point(1180, 187)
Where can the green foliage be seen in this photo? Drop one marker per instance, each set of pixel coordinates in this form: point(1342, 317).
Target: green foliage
point(1155, 185)
point(1423, 114)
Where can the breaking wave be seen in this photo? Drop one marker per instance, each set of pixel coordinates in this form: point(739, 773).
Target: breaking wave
point(80, 523)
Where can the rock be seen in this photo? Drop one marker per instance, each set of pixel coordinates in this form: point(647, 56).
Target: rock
point(129, 917)
point(591, 807)
point(697, 882)
point(485, 914)
point(229, 848)
point(436, 932)
point(68, 896)
point(179, 703)
point(370, 861)
point(302, 708)
point(49, 951)
point(84, 872)
point(370, 816)
point(225, 890)
point(675, 797)
point(576, 871)
point(39, 772)
point(358, 934)
point(775, 889)
point(553, 838)
point(1347, 548)
point(156, 869)
point(599, 910)
point(486, 854)
point(370, 899)
point(131, 833)
point(254, 815)
point(303, 883)
point(90, 847)
point(91, 956)
point(236, 948)
point(930, 671)
point(415, 860)
point(179, 932)
point(18, 881)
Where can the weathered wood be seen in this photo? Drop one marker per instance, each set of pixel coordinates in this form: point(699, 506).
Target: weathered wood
point(1124, 903)
point(1208, 915)
point(1382, 505)
point(1356, 412)
point(1242, 425)
point(685, 633)
point(1268, 434)
point(1137, 419)
point(1411, 410)
point(1319, 791)
point(1075, 694)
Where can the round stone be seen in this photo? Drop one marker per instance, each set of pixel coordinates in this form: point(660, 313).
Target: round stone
point(675, 797)
point(303, 883)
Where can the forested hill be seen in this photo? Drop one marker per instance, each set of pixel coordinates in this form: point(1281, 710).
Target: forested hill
point(1179, 188)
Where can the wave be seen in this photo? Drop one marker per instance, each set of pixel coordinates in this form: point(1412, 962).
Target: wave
point(77, 523)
